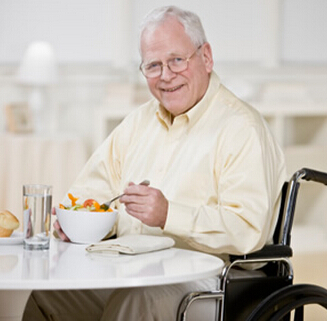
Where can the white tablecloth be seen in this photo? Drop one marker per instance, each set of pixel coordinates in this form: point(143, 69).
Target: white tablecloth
point(37, 159)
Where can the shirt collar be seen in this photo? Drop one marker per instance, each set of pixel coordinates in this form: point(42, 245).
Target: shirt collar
point(163, 115)
point(194, 113)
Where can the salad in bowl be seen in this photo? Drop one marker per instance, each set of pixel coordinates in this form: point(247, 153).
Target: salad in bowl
point(85, 222)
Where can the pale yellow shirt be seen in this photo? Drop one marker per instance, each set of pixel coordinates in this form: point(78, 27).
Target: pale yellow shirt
point(218, 166)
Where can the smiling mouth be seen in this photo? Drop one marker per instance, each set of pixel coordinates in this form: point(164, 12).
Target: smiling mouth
point(169, 90)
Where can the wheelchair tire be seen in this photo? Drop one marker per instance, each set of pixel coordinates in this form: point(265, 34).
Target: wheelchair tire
point(279, 304)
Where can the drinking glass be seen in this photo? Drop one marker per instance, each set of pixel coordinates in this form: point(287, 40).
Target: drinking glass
point(37, 200)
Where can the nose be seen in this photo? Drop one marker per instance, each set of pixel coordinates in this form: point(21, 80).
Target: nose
point(166, 73)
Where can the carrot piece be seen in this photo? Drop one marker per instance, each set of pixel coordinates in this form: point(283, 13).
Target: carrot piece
point(73, 199)
point(96, 206)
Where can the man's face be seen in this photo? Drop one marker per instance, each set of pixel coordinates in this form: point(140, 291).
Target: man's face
point(177, 92)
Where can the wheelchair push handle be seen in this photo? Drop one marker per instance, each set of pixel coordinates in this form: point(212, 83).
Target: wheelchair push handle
point(313, 175)
point(284, 237)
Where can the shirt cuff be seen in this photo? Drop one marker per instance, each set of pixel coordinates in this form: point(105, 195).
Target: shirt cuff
point(179, 219)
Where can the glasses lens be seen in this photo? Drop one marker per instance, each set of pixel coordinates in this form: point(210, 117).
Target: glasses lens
point(151, 70)
point(177, 64)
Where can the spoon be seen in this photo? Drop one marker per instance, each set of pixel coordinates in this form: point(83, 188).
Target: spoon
point(106, 205)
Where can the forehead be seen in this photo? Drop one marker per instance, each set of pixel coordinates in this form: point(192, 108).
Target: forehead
point(167, 39)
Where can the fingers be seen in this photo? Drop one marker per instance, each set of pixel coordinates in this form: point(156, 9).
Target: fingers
point(136, 195)
point(147, 204)
point(60, 232)
point(134, 189)
point(146, 182)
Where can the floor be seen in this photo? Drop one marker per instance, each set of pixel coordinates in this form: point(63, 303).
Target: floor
point(309, 263)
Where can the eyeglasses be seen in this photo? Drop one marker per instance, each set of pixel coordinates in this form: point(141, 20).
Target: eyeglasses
point(176, 65)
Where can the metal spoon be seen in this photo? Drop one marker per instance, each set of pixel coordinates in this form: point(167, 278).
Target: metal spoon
point(106, 205)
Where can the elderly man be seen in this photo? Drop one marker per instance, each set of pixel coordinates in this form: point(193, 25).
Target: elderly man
point(215, 171)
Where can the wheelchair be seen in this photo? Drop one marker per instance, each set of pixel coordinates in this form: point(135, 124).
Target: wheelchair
point(268, 293)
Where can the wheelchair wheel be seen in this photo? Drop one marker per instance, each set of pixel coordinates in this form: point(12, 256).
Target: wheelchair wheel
point(279, 304)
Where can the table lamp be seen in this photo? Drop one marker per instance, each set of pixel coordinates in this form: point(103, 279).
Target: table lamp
point(38, 70)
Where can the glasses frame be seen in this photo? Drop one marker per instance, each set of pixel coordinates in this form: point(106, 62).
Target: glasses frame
point(187, 59)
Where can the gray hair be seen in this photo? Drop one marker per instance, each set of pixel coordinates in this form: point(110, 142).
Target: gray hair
point(191, 22)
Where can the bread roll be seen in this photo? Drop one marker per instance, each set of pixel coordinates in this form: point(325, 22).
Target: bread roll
point(8, 223)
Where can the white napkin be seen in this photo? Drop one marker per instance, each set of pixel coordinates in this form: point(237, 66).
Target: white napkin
point(132, 244)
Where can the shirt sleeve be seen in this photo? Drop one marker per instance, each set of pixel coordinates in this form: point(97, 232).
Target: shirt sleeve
point(249, 171)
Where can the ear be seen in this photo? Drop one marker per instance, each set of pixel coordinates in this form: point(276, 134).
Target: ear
point(207, 56)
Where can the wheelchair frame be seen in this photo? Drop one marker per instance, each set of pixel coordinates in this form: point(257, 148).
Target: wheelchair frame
point(281, 297)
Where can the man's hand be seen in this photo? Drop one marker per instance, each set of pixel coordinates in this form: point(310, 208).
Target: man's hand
point(146, 203)
point(58, 231)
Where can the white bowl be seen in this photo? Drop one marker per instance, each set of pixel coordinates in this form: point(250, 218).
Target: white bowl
point(84, 226)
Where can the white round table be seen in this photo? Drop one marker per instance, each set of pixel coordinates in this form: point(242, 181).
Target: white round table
point(70, 266)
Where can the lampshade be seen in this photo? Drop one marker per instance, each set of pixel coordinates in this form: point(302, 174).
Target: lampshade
point(38, 66)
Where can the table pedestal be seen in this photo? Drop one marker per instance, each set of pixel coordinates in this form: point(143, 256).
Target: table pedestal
point(12, 304)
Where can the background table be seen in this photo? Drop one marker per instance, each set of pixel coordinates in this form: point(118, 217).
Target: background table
point(37, 159)
point(70, 266)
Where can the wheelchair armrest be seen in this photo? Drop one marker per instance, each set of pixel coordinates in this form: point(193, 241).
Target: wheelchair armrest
point(268, 251)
